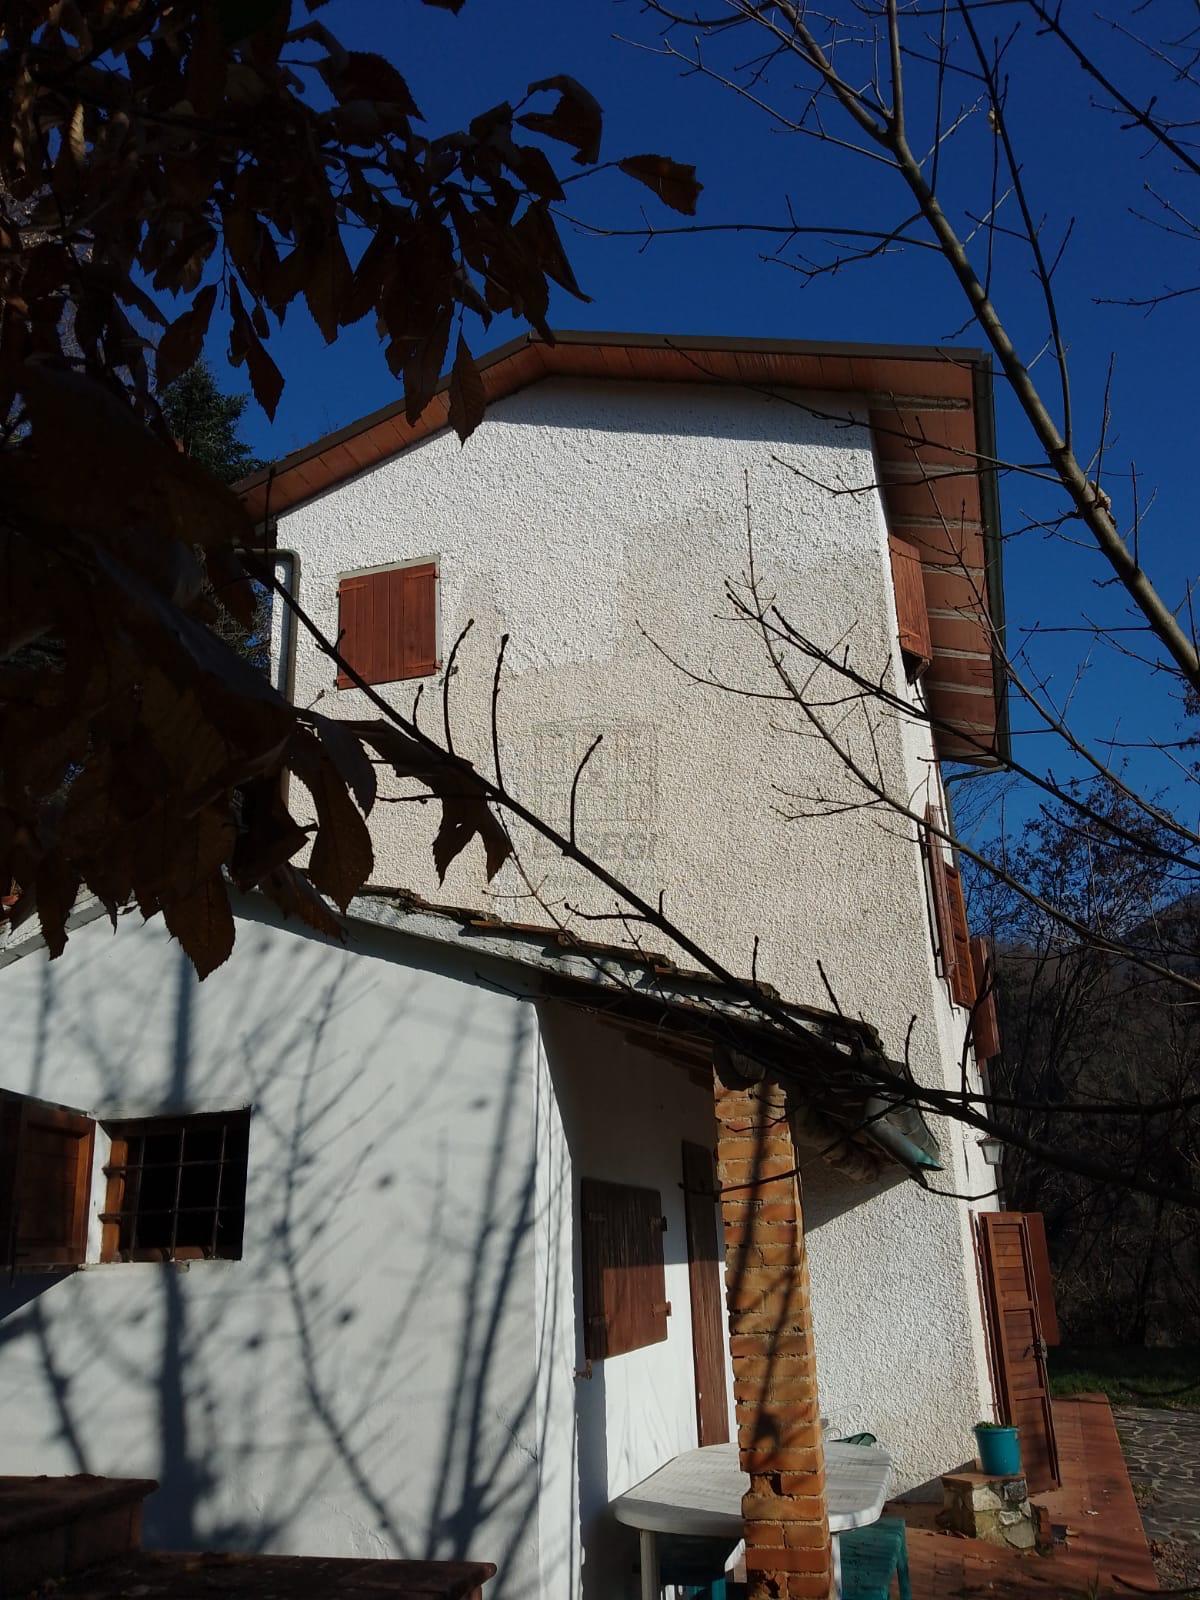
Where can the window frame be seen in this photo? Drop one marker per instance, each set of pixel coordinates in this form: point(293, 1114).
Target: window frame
point(116, 1169)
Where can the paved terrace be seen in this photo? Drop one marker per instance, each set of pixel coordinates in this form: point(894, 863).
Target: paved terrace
point(1097, 1505)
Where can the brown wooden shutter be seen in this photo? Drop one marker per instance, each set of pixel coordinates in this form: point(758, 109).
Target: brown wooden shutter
point(418, 621)
point(1018, 1356)
point(962, 981)
point(912, 610)
point(987, 1022)
point(354, 629)
point(1043, 1276)
point(388, 624)
point(705, 1255)
point(940, 884)
point(624, 1281)
point(45, 1183)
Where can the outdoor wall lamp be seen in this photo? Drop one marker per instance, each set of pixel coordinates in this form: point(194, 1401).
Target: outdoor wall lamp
point(992, 1150)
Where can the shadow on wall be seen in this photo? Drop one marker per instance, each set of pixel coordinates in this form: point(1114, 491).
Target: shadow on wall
point(829, 1194)
point(347, 1386)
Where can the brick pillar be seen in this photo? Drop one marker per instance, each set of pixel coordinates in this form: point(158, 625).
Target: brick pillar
point(788, 1552)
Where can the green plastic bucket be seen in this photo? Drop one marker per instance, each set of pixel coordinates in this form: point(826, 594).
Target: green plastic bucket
point(999, 1452)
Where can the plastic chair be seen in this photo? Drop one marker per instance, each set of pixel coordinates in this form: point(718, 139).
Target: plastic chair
point(869, 1558)
point(695, 1566)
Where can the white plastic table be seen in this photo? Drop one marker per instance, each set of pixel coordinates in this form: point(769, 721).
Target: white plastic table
point(700, 1493)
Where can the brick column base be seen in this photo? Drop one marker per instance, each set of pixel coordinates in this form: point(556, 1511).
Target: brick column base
point(788, 1551)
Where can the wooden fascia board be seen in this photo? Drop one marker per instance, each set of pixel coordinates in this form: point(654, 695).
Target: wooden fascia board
point(881, 371)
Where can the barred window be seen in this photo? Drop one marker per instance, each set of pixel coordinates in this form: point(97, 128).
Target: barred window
point(176, 1188)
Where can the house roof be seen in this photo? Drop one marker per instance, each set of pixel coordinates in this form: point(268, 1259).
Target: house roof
point(693, 1018)
point(931, 415)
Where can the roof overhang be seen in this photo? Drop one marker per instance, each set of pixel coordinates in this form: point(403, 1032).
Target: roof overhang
point(832, 1061)
point(932, 420)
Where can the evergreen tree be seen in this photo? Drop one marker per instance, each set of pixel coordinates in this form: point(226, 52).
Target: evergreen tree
point(204, 419)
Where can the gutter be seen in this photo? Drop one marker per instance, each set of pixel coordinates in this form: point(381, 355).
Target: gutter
point(902, 1133)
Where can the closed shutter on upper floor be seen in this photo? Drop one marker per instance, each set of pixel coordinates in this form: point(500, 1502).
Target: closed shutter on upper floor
point(387, 624)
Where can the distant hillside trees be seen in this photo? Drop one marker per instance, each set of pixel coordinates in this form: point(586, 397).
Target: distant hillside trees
point(1082, 1025)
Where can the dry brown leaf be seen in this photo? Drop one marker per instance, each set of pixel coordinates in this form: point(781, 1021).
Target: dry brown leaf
point(576, 119)
point(203, 923)
point(674, 182)
point(342, 856)
point(468, 399)
point(181, 344)
point(295, 896)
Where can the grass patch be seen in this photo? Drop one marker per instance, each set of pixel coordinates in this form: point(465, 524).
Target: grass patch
point(1129, 1375)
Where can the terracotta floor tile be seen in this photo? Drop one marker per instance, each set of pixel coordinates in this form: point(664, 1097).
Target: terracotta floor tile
point(1095, 1502)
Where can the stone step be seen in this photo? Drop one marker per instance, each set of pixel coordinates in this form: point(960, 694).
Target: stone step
point(50, 1527)
point(983, 1506)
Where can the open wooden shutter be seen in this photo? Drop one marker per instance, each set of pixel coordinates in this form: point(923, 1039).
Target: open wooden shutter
point(624, 1281)
point(950, 914)
point(45, 1183)
point(912, 610)
point(987, 1022)
point(1017, 1347)
point(1043, 1276)
point(962, 983)
point(705, 1257)
point(387, 622)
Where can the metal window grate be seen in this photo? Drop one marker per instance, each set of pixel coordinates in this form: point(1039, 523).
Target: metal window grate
point(176, 1188)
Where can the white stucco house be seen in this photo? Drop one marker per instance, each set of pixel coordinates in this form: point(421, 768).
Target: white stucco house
point(380, 1167)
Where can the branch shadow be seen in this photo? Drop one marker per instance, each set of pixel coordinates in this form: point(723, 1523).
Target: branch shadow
point(352, 1385)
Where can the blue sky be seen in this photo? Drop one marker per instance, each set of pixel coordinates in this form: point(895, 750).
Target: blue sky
point(1078, 162)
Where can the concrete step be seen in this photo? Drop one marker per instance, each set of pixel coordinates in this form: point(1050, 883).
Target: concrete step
point(50, 1527)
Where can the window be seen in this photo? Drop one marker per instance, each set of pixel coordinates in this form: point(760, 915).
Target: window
point(624, 1284)
point(45, 1184)
point(387, 624)
point(912, 611)
point(950, 914)
point(176, 1188)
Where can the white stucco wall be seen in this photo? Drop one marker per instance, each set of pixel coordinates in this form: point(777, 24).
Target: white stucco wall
point(362, 1381)
point(394, 1366)
point(590, 522)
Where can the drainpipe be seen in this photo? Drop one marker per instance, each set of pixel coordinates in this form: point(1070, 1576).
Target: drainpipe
point(287, 570)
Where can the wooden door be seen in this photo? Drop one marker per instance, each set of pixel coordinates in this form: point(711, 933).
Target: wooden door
point(1017, 1344)
point(705, 1256)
